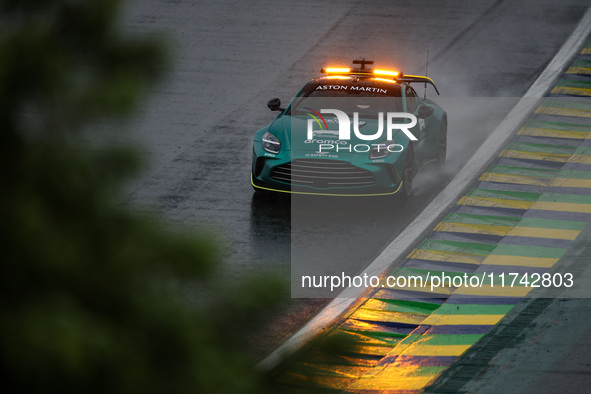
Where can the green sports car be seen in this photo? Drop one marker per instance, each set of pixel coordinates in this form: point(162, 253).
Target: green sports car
point(354, 132)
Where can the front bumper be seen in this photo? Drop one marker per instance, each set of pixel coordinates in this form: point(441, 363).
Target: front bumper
point(330, 176)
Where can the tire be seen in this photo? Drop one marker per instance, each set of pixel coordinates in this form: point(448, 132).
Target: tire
point(407, 175)
point(441, 153)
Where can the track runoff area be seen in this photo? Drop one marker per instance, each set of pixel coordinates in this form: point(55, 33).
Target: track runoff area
point(518, 219)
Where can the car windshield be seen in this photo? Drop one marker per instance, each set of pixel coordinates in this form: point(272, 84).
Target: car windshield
point(366, 97)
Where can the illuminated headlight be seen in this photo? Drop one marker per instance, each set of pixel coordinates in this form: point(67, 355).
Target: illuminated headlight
point(384, 149)
point(271, 143)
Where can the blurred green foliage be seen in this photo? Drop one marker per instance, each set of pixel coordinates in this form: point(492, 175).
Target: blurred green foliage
point(91, 294)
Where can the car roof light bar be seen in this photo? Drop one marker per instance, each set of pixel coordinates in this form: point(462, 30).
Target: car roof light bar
point(397, 76)
point(367, 72)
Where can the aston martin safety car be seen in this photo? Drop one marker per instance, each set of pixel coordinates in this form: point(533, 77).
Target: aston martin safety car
point(357, 131)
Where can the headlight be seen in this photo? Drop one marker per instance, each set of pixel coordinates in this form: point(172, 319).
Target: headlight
point(384, 149)
point(271, 143)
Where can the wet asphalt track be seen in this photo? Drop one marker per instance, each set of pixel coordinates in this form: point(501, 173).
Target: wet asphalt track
point(230, 57)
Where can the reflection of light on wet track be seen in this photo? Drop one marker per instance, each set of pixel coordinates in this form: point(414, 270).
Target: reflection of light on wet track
point(520, 216)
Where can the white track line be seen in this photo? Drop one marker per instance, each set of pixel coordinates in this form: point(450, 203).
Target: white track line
point(448, 196)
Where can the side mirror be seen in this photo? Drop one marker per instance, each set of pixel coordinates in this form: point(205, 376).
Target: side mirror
point(425, 112)
point(275, 105)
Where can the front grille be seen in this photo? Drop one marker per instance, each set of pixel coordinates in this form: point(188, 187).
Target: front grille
point(322, 174)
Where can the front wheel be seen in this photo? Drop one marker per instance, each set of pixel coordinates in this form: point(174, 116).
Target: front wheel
point(407, 174)
point(441, 145)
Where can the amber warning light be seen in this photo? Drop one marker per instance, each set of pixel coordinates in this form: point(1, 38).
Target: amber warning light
point(332, 70)
point(386, 72)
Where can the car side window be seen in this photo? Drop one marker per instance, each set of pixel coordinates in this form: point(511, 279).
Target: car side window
point(412, 100)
